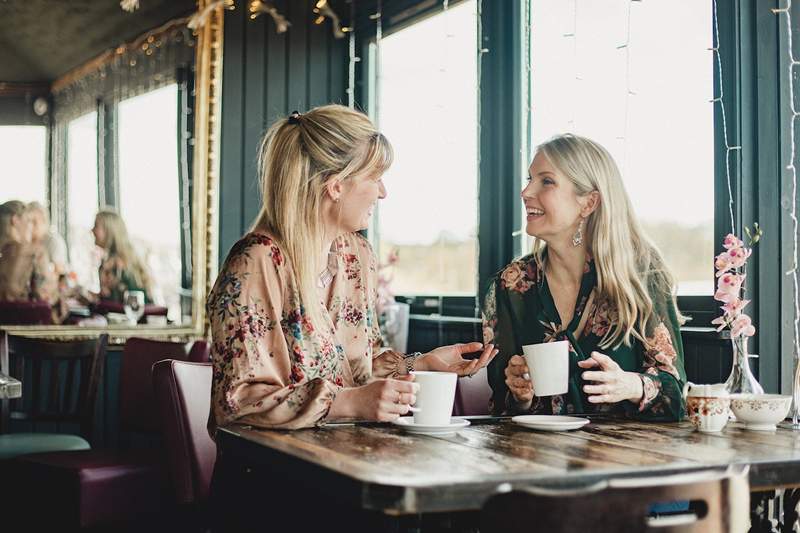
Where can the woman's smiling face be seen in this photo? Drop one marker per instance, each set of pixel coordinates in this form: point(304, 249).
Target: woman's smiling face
point(552, 206)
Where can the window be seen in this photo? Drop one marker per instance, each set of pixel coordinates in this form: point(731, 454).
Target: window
point(148, 161)
point(620, 74)
point(82, 198)
point(23, 163)
point(426, 104)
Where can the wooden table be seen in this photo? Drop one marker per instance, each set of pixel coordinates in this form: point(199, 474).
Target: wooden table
point(380, 468)
point(9, 387)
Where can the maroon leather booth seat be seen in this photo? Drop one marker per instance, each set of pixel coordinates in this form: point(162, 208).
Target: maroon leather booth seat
point(24, 313)
point(472, 395)
point(103, 486)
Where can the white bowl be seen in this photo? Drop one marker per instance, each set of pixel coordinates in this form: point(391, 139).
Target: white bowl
point(760, 412)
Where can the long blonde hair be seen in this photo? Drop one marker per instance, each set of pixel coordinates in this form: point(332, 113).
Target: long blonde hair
point(118, 244)
point(298, 156)
point(9, 210)
point(630, 269)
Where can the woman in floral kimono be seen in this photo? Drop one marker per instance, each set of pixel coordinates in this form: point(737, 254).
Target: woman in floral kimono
point(295, 334)
point(593, 279)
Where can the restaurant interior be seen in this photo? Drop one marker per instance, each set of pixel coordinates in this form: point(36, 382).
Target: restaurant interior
point(131, 160)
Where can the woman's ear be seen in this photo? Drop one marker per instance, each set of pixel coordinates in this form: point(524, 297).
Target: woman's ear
point(590, 204)
point(334, 189)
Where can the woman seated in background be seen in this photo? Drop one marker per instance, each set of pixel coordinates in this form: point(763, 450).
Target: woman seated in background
point(120, 269)
point(594, 280)
point(43, 234)
point(295, 333)
point(26, 272)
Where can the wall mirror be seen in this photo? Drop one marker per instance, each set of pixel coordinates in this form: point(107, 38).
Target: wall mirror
point(108, 150)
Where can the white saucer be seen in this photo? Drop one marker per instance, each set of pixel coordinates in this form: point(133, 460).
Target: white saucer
point(407, 423)
point(550, 422)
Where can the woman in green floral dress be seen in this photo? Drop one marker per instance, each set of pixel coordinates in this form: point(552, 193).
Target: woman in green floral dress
point(594, 280)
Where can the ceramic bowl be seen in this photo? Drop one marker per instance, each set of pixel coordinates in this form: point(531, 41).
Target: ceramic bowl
point(760, 412)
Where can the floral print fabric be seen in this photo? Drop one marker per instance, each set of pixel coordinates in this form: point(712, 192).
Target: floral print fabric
point(272, 367)
point(519, 310)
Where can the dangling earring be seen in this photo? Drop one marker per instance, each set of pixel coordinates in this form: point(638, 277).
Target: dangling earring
point(577, 239)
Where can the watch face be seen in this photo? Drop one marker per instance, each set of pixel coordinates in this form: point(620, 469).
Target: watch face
point(40, 106)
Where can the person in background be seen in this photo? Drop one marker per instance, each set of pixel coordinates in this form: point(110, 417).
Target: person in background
point(120, 269)
point(295, 337)
point(26, 272)
point(593, 279)
point(43, 233)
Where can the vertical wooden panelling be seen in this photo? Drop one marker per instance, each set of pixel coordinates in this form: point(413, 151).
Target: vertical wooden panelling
point(254, 116)
point(266, 76)
point(230, 200)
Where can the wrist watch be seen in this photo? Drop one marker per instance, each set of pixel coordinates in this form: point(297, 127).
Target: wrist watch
point(410, 358)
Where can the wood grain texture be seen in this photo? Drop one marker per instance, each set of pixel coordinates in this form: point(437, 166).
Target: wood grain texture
point(379, 467)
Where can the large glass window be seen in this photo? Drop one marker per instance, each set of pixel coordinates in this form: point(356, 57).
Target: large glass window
point(23, 163)
point(82, 198)
point(148, 162)
point(426, 104)
point(620, 73)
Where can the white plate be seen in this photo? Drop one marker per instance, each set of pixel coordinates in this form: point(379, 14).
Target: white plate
point(550, 422)
point(407, 423)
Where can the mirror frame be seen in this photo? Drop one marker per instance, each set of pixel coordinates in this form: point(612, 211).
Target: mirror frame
point(205, 195)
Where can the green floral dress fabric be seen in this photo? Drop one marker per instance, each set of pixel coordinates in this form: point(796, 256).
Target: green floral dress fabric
point(519, 310)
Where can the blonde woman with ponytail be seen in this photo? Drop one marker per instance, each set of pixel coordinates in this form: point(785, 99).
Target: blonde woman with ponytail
point(295, 334)
point(594, 280)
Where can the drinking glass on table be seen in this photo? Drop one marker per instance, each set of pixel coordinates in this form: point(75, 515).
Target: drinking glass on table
point(133, 302)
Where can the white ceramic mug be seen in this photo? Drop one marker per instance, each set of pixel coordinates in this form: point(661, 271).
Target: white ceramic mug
point(548, 364)
point(708, 406)
point(435, 397)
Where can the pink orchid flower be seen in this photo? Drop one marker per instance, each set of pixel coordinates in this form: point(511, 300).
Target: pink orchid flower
point(734, 307)
point(742, 325)
point(731, 241)
point(728, 287)
point(721, 321)
point(722, 263)
point(738, 256)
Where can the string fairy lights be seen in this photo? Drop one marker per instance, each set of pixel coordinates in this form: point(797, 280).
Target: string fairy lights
point(792, 207)
point(721, 100)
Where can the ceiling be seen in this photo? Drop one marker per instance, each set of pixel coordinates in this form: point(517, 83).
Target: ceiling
point(41, 40)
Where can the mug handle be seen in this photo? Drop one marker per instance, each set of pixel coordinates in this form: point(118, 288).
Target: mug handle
point(412, 409)
point(686, 388)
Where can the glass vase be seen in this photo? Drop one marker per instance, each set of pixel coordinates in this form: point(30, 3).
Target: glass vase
point(741, 379)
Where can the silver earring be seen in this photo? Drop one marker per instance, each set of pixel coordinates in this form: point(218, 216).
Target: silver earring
point(577, 239)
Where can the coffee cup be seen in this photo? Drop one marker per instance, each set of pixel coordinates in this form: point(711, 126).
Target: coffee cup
point(548, 365)
point(435, 397)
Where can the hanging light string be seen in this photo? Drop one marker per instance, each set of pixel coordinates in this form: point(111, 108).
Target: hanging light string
point(574, 36)
point(721, 100)
point(628, 92)
point(352, 59)
point(376, 98)
point(792, 63)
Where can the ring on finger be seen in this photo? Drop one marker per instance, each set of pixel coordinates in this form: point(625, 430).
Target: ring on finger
point(526, 376)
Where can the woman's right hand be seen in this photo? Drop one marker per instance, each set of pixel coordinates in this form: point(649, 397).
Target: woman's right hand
point(518, 380)
point(383, 400)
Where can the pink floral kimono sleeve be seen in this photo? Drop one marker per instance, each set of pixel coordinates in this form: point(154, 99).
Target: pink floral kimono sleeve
point(271, 368)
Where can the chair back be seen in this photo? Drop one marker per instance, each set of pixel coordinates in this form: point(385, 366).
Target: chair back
point(59, 380)
point(183, 391)
point(137, 408)
point(472, 395)
point(200, 352)
point(719, 502)
point(26, 313)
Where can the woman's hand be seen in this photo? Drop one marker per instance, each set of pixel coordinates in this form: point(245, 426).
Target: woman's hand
point(449, 358)
point(383, 400)
point(518, 380)
point(387, 363)
point(610, 384)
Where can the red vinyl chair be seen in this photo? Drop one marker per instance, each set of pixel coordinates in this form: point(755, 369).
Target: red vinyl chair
point(101, 487)
point(183, 393)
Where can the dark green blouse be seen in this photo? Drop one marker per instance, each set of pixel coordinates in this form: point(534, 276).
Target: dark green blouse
point(520, 310)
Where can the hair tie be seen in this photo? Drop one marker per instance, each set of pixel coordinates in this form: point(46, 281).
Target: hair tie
point(294, 117)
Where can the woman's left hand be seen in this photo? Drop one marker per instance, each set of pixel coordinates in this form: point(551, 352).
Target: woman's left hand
point(449, 358)
point(610, 384)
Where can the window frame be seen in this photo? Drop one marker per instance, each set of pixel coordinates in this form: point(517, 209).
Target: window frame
point(749, 40)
